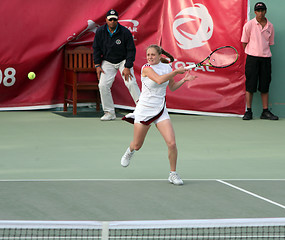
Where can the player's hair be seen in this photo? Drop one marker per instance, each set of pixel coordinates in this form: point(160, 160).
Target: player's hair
point(160, 51)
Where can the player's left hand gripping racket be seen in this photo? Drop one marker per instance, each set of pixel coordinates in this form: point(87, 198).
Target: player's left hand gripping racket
point(222, 57)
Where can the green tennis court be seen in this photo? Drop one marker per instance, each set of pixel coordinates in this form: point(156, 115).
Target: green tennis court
point(58, 167)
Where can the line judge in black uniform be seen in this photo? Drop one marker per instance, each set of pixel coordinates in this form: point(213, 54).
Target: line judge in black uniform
point(114, 50)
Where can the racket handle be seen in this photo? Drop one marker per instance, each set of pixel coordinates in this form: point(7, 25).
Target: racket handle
point(191, 66)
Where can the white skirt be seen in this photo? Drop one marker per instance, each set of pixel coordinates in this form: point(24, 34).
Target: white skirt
point(146, 115)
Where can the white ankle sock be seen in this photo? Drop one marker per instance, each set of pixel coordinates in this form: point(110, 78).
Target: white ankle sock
point(129, 150)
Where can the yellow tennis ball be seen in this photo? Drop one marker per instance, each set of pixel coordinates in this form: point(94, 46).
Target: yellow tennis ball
point(31, 75)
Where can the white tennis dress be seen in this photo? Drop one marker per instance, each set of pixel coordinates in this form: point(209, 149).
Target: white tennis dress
point(151, 104)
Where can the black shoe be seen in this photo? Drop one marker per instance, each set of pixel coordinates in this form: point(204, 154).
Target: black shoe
point(247, 116)
point(268, 115)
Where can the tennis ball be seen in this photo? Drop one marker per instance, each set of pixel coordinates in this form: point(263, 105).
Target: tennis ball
point(31, 75)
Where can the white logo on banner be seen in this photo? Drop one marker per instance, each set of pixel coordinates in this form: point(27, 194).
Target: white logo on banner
point(91, 27)
point(132, 25)
point(186, 40)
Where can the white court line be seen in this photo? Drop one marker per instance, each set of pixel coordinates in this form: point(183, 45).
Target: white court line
point(252, 194)
point(126, 180)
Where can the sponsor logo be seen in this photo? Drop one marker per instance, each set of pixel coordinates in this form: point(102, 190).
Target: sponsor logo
point(132, 25)
point(118, 41)
point(186, 39)
point(178, 64)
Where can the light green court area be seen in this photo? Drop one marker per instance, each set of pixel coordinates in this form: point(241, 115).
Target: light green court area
point(55, 166)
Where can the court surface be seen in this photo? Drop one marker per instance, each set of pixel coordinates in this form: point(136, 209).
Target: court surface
point(54, 166)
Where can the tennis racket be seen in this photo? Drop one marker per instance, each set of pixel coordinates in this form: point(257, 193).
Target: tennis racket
point(222, 57)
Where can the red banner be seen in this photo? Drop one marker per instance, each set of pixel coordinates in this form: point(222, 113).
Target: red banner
point(34, 33)
point(191, 30)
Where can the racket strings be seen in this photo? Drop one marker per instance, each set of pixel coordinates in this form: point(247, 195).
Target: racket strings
point(223, 57)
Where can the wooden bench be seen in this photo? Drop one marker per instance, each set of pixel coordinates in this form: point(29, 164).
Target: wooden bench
point(79, 61)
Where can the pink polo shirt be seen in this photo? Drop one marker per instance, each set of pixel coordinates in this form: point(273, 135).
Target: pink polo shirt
point(258, 39)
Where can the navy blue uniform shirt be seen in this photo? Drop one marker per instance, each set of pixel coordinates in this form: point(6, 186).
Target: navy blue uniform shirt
point(115, 48)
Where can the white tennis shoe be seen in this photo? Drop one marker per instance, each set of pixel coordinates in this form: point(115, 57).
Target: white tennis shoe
point(174, 178)
point(125, 160)
point(108, 116)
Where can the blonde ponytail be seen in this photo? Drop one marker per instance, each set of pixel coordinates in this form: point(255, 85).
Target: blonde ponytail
point(161, 51)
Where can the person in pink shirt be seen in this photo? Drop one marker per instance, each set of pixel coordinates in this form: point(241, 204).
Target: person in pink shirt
point(257, 37)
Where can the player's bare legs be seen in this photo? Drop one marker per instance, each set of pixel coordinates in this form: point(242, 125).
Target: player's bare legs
point(140, 132)
point(166, 130)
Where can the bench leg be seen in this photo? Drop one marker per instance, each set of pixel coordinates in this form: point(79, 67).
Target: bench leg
point(74, 94)
point(97, 101)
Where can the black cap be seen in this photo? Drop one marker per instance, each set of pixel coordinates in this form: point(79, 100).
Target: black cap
point(112, 14)
point(259, 5)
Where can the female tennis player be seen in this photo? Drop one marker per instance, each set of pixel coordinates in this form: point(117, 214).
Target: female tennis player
point(155, 77)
